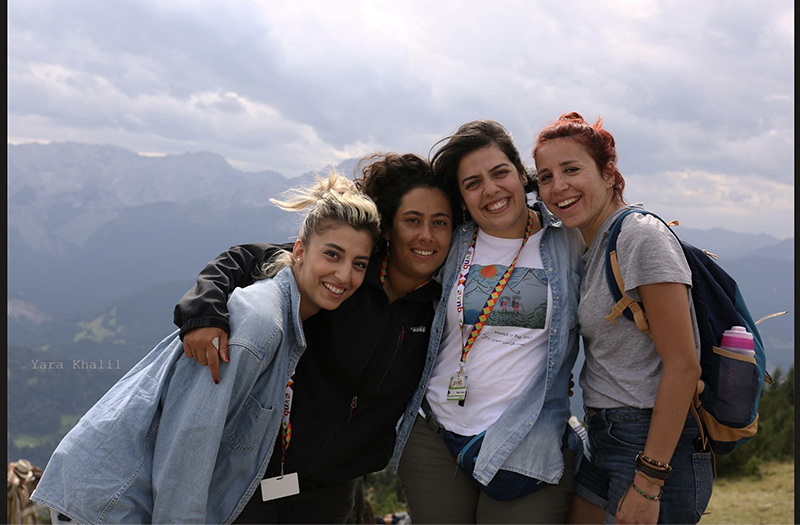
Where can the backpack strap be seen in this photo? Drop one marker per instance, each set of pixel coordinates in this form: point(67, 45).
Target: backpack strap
point(694, 406)
point(625, 305)
point(626, 302)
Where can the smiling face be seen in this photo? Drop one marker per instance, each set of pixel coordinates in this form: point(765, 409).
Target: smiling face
point(419, 238)
point(573, 187)
point(330, 267)
point(493, 192)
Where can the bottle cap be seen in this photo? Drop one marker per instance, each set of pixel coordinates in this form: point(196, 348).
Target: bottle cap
point(737, 338)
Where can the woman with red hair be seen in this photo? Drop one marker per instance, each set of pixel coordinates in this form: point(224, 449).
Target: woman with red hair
point(646, 465)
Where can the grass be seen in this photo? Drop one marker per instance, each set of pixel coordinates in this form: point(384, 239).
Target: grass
point(768, 498)
point(25, 440)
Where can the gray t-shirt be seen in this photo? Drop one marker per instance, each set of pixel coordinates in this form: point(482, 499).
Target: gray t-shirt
point(622, 367)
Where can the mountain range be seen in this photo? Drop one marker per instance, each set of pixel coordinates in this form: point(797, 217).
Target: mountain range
point(102, 242)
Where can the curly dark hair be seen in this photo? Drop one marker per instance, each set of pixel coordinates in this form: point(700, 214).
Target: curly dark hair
point(387, 177)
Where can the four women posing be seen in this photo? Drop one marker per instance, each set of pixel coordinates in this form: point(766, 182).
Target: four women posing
point(465, 368)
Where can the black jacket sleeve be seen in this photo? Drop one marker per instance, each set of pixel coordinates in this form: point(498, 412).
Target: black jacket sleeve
point(206, 303)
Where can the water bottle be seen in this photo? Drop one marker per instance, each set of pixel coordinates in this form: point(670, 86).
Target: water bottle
point(738, 381)
point(738, 340)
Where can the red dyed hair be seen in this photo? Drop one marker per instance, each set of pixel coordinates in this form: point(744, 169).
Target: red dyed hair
point(597, 142)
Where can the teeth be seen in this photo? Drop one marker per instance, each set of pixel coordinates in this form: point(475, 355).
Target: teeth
point(423, 252)
point(567, 202)
point(333, 289)
point(497, 205)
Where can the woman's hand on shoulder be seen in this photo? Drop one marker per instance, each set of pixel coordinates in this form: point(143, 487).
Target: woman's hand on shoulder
point(207, 346)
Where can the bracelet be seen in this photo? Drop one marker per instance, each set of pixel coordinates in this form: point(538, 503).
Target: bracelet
point(652, 467)
point(644, 468)
point(652, 462)
point(651, 479)
point(646, 495)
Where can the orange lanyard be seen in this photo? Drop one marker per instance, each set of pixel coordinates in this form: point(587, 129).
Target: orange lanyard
point(286, 425)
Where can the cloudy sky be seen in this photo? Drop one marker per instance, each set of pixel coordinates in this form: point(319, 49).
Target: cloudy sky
point(699, 94)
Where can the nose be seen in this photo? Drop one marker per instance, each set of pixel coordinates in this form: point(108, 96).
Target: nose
point(426, 232)
point(343, 273)
point(489, 187)
point(559, 184)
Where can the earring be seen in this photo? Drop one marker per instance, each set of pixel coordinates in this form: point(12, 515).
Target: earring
point(387, 246)
point(463, 215)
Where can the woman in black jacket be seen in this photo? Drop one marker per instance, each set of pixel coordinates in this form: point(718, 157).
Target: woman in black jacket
point(363, 361)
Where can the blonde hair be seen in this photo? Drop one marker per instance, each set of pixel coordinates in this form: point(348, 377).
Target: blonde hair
point(333, 201)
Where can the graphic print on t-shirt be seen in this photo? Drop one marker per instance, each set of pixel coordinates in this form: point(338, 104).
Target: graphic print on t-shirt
point(523, 302)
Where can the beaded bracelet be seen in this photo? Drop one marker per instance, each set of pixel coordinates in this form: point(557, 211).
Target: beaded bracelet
point(651, 479)
point(660, 471)
point(646, 495)
point(653, 462)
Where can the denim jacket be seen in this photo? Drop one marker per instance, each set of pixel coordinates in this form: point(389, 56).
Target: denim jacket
point(167, 445)
point(528, 436)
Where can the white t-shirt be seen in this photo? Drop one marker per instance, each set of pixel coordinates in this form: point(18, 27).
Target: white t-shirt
point(512, 344)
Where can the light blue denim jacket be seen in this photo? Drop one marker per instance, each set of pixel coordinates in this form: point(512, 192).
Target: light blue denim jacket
point(528, 436)
point(167, 445)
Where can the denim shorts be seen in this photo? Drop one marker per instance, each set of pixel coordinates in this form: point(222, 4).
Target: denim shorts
point(616, 435)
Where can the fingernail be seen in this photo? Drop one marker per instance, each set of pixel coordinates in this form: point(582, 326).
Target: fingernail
point(216, 381)
point(227, 360)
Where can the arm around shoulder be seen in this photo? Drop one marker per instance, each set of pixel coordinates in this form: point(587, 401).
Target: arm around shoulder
point(205, 304)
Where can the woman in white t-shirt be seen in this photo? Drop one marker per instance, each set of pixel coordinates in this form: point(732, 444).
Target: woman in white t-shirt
point(505, 331)
point(648, 464)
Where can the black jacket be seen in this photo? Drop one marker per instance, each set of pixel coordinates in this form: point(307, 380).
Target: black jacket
point(362, 365)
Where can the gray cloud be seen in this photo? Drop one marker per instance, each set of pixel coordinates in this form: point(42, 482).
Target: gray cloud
point(706, 87)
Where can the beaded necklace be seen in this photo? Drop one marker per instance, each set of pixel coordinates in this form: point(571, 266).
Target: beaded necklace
point(385, 270)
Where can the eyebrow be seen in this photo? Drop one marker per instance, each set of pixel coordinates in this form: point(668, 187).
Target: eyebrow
point(419, 213)
point(337, 247)
point(470, 177)
point(562, 163)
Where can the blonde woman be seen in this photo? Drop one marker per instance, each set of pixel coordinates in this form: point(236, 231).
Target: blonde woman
point(162, 446)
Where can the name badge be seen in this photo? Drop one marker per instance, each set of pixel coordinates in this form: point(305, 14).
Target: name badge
point(280, 487)
point(457, 390)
